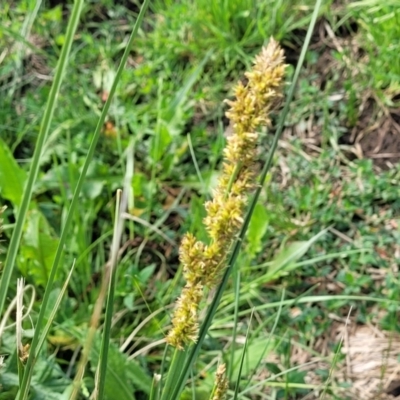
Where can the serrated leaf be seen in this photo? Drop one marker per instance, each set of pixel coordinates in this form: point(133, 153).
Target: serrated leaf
point(12, 176)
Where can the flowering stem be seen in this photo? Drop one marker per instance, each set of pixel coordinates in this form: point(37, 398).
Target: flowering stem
point(194, 350)
point(174, 374)
point(233, 177)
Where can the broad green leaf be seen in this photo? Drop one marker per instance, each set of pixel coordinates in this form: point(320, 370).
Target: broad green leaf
point(287, 259)
point(92, 188)
point(12, 176)
point(257, 228)
point(139, 378)
point(67, 175)
point(39, 391)
point(49, 381)
point(146, 273)
point(252, 357)
point(160, 142)
point(200, 394)
point(118, 385)
point(38, 248)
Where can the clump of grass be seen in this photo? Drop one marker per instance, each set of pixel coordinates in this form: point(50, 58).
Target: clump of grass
point(204, 263)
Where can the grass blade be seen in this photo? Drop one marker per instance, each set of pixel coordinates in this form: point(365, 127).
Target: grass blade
point(110, 298)
point(270, 336)
point(44, 129)
point(175, 374)
point(55, 308)
point(236, 282)
point(16, 237)
point(71, 28)
point(237, 385)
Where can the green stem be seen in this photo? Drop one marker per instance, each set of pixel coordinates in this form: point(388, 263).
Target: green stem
point(35, 349)
point(236, 280)
point(44, 129)
point(111, 294)
point(15, 239)
point(233, 177)
point(175, 373)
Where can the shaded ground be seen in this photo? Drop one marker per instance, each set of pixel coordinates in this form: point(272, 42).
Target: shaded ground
point(369, 127)
point(367, 366)
point(378, 137)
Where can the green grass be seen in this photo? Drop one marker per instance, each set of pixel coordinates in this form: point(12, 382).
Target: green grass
point(294, 275)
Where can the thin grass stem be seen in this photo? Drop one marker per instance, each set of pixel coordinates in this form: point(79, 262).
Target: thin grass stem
point(21, 209)
point(110, 297)
point(23, 393)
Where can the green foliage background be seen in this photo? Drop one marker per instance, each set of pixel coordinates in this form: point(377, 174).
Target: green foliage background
point(326, 223)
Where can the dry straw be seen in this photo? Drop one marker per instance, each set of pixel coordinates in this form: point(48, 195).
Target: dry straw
point(203, 263)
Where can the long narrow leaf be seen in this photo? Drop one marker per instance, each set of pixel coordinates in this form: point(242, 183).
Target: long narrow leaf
point(111, 294)
point(270, 336)
point(55, 309)
point(44, 129)
point(175, 374)
point(48, 115)
point(64, 234)
point(244, 351)
point(236, 282)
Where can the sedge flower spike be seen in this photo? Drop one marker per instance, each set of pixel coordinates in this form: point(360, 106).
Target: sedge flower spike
point(203, 263)
point(221, 384)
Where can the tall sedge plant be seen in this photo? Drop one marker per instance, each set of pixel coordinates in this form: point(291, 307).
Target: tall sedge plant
point(202, 265)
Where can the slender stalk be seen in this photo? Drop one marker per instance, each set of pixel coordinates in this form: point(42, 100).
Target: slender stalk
point(236, 280)
point(239, 377)
point(16, 237)
point(232, 179)
point(64, 234)
point(43, 132)
point(270, 336)
point(194, 350)
point(111, 294)
point(175, 373)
